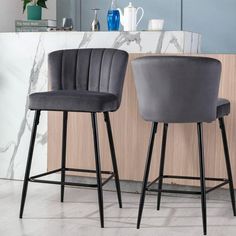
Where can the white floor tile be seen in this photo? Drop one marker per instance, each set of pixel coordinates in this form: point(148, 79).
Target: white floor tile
point(78, 215)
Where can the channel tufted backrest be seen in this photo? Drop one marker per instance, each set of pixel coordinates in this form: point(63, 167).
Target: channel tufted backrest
point(98, 70)
point(177, 89)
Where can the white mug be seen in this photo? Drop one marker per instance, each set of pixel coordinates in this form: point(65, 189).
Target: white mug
point(155, 24)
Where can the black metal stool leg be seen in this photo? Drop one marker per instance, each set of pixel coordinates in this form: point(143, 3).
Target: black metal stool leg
point(98, 167)
point(146, 172)
point(202, 176)
point(63, 153)
point(29, 161)
point(113, 157)
point(162, 163)
point(227, 161)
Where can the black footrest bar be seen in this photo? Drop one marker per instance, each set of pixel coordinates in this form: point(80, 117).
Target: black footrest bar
point(45, 174)
point(153, 182)
point(36, 180)
point(88, 171)
point(223, 180)
point(217, 186)
point(192, 178)
point(59, 183)
point(174, 191)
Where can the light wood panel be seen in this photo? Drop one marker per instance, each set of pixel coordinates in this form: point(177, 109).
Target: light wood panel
point(131, 136)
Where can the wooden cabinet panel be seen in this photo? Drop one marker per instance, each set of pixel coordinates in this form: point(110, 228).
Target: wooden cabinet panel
point(131, 135)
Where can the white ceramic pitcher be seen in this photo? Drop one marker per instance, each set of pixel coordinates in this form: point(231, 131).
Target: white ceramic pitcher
point(129, 18)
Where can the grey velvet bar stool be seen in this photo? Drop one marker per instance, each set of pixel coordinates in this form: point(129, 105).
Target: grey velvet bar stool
point(174, 89)
point(82, 80)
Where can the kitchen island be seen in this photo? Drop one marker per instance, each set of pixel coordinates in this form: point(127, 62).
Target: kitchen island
point(23, 70)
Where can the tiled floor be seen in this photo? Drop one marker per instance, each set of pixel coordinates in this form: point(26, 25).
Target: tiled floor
point(45, 215)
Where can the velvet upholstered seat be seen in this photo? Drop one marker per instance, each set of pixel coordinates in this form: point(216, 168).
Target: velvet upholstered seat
point(81, 80)
point(71, 100)
point(85, 101)
point(85, 80)
point(223, 107)
point(181, 89)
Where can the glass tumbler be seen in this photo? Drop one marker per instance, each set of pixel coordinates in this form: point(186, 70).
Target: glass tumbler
point(113, 20)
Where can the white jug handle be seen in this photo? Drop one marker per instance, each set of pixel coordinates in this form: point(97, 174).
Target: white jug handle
point(141, 17)
point(121, 16)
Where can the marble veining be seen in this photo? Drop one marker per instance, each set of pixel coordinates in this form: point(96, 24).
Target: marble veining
point(127, 38)
point(85, 40)
point(175, 42)
point(160, 42)
point(23, 70)
point(33, 79)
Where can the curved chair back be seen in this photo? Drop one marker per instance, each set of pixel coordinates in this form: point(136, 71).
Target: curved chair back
point(177, 89)
point(98, 70)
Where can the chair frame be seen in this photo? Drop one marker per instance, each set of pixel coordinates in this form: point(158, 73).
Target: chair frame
point(203, 191)
point(63, 168)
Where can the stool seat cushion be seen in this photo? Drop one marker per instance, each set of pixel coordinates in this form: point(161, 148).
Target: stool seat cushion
point(223, 107)
point(74, 100)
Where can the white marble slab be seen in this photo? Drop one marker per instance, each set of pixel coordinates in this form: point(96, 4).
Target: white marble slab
point(23, 70)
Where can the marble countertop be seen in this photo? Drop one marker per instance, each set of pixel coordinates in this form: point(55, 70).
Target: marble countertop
point(132, 42)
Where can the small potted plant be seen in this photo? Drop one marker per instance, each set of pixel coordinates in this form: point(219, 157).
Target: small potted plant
point(34, 8)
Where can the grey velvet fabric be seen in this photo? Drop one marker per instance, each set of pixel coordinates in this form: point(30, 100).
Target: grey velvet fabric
point(89, 80)
point(178, 89)
point(72, 100)
point(223, 107)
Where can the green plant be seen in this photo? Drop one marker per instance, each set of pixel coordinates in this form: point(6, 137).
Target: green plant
point(41, 3)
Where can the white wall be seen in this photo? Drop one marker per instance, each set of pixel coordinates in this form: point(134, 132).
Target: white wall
point(11, 10)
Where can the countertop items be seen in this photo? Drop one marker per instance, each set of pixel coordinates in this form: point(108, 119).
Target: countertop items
point(129, 18)
point(35, 25)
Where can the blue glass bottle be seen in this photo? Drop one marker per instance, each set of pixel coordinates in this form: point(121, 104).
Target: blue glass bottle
point(113, 17)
